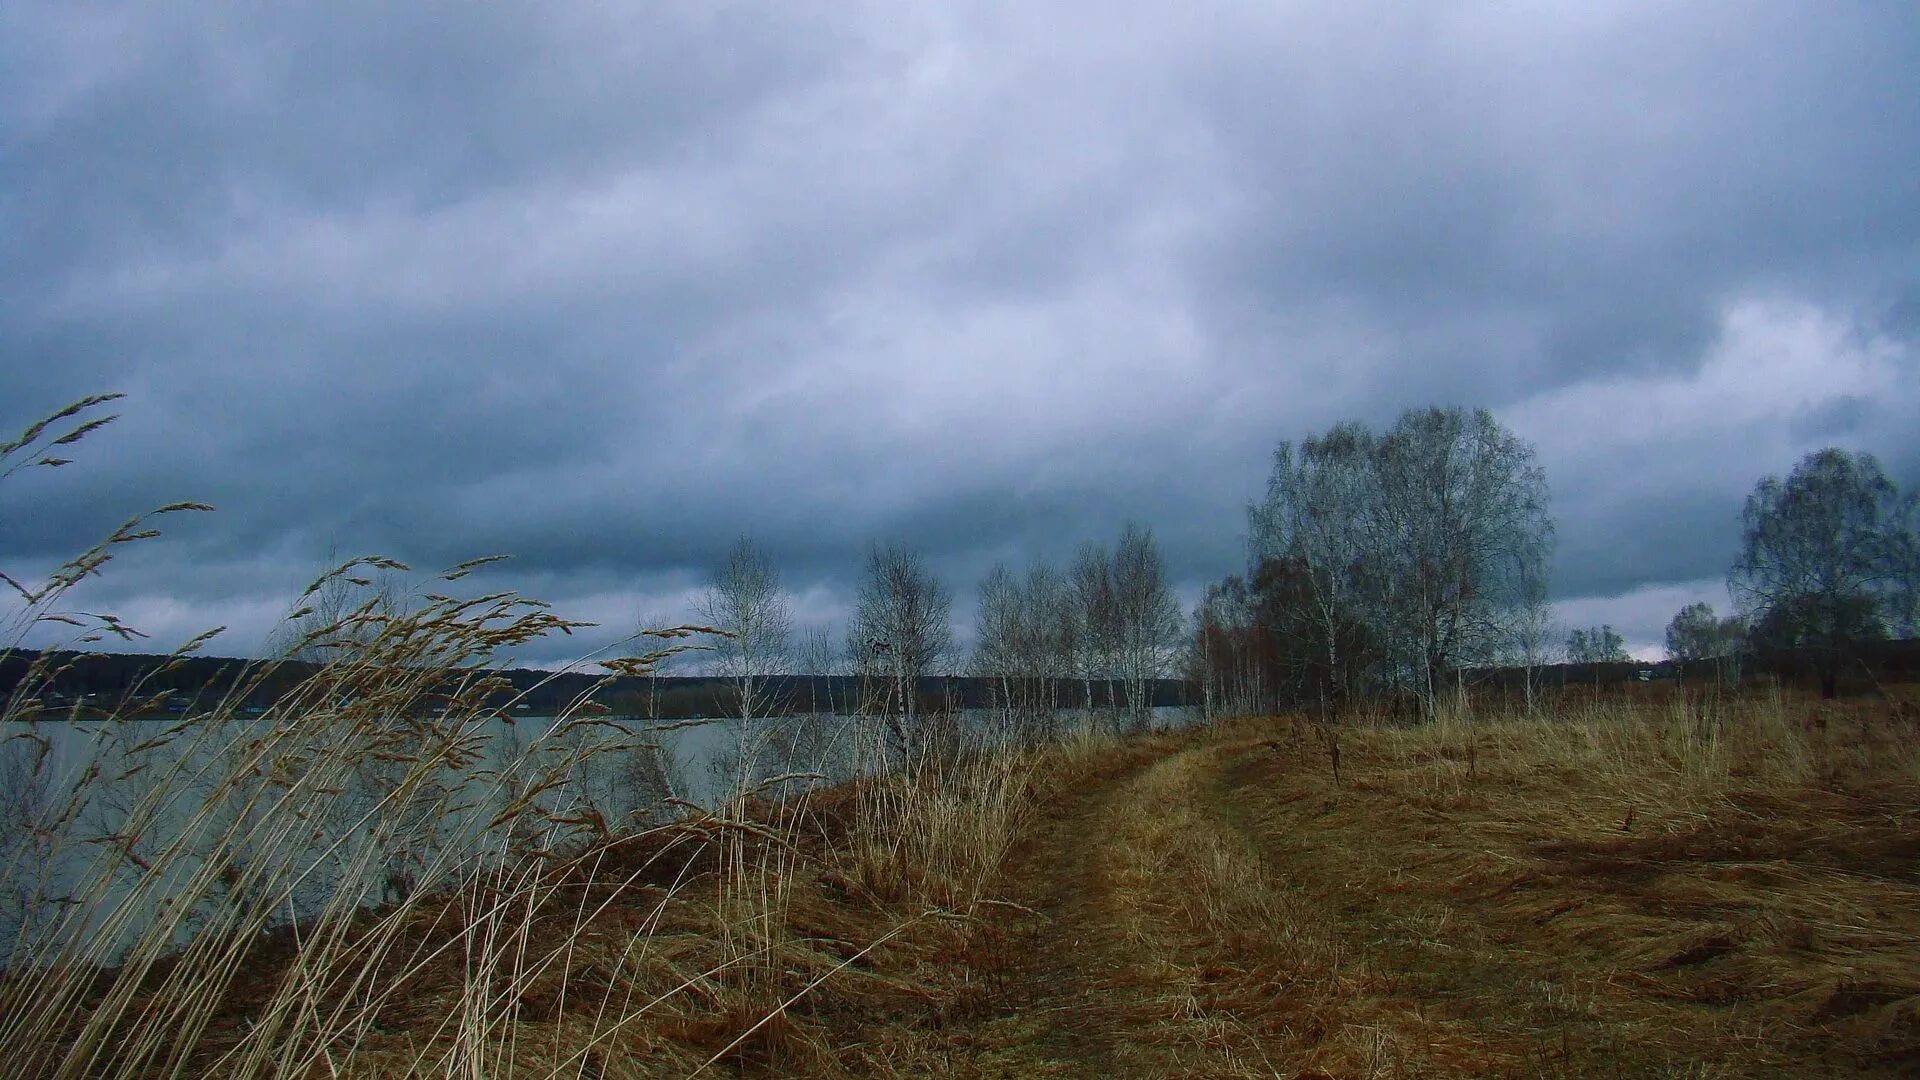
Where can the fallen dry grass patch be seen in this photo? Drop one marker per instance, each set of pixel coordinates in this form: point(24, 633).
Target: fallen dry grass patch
point(1236, 967)
point(1716, 887)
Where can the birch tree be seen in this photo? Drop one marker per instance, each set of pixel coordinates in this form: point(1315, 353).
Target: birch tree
point(997, 637)
point(1046, 626)
point(1146, 620)
point(819, 661)
point(1465, 506)
point(1698, 633)
point(902, 630)
point(1425, 543)
point(1090, 587)
point(1024, 644)
point(1597, 645)
point(1316, 533)
point(745, 600)
point(1530, 640)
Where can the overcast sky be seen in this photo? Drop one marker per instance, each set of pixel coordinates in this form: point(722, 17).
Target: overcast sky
point(605, 286)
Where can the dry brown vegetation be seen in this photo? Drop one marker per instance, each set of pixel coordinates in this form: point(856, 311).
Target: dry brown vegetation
point(769, 943)
point(340, 883)
point(1651, 885)
point(1673, 884)
point(1659, 885)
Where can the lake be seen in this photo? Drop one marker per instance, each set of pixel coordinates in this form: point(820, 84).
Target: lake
point(108, 827)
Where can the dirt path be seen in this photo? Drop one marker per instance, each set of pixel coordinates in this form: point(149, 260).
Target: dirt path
point(1182, 924)
point(1223, 906)
point(1059, 957)
point(1100, 975)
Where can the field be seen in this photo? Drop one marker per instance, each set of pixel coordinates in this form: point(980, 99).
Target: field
point(1654, 887)
point(1658, 884)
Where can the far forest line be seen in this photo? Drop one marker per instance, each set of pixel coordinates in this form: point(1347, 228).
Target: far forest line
point(92, 683)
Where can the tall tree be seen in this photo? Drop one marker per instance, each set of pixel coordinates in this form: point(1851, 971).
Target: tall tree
point(1530, 630)
point(902, 630)
point(1421, 546)
point(1315, 541)
point(745, 600)
point(1236, 650)
point(1090, 587)
point(1597, 645)
point(1697, 633)
point(819, 662)
point(1826, 559)
point(998, 650)
point(1147, 622)
point(1046, 623)
point(1022, 644)
point(1465, 505)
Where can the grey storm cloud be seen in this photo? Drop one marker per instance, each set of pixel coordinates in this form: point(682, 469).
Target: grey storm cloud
point(607, 288)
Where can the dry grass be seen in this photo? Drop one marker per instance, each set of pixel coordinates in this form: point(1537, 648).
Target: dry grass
point(1664, 886)
point(1654, 886)
point(371, 846)
point(370, 876)
point(540, 943)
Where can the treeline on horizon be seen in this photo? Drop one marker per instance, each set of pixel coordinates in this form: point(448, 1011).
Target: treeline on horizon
point(1402, 563)
point(194, 683)
point(191, 682)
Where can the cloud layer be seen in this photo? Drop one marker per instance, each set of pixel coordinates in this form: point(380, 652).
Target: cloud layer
point(607, 290)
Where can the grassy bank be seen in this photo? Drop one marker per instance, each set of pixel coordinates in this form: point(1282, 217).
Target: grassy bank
point(550, 945)
point(370, 869)
point(1690, 887)
point(1670, 885)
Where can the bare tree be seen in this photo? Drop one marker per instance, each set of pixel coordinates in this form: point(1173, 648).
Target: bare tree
point(902, 630)
point(1147, 626)
point(1531, 630)
point(1023, 644)
point(1090, 588)
point(1237, 650)
point(1465, 506)
point(1047, 636)
point(1826, 559)
point(1697, 633)
point(1201, 658)
point(819, 660)
point(997, 647)
point(1317, 536)
point(745, 600)
point(1418, 548)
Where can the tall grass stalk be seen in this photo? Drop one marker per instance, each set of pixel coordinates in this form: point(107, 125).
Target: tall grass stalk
point(367, 865)
point(367, 810)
